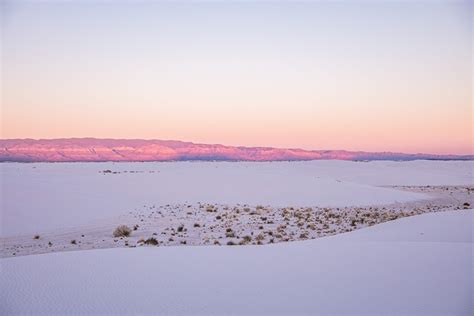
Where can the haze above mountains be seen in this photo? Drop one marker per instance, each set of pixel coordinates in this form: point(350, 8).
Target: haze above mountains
point(92, 149)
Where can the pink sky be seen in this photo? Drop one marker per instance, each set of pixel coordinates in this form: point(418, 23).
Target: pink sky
point(391, 76)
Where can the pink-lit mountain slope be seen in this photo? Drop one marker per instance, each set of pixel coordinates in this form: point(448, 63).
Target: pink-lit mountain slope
point(91, 149)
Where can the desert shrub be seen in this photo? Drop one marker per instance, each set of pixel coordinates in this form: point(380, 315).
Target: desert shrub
point(135, 227)
point(122, 231)
point(230, 243)
point(259, 237)
point(180, 228)
point(36, 237)
point(218, 217)
point(50, 243)
point(466, 205)
point(230, 234)
point(259, 207)
point(303, 236)
point(183, 242)
point(197, 225)
point(151, 241)
point(73, 242)
point(246, 209)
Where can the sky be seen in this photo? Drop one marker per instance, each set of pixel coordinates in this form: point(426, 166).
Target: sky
point(354, 75)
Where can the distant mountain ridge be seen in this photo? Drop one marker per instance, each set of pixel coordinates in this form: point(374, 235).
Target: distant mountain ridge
point(94, 149)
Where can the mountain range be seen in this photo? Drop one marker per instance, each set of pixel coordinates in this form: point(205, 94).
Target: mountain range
point(93, 149)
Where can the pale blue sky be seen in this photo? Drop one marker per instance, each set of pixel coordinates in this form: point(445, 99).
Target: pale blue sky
point(388, 75)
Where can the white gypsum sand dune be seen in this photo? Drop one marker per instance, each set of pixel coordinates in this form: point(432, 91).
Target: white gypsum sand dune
point(43, 197)
point(215, 224)
point(403, 267)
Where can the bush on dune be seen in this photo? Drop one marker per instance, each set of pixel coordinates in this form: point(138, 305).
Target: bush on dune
point(122, 231)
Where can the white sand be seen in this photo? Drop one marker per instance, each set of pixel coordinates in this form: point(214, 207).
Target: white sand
point(420, 265)
point(43, 197)
point(422, 270)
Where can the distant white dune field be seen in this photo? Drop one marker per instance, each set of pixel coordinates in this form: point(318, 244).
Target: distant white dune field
point(420, 265)
point(38, 197)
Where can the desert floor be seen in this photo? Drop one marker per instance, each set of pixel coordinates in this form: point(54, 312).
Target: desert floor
point(319, 237)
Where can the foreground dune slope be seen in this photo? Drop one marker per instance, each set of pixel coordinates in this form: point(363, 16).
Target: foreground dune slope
point(419, 265)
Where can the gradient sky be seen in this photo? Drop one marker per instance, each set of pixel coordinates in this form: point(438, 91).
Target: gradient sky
point(376, 76)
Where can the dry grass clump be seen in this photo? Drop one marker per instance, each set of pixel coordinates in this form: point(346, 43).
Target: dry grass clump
point(211, 208)
point(122, 231)
point(229, 233)
point(151, 241)
point(245, 240)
